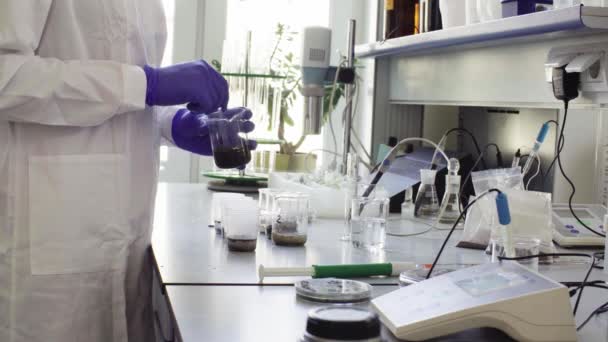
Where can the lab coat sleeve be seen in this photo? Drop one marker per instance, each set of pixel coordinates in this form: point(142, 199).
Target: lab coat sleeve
point(50, 91)
point(165, 120)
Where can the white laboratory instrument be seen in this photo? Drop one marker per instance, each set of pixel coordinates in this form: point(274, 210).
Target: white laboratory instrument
point(568, 232)
point(507, 296)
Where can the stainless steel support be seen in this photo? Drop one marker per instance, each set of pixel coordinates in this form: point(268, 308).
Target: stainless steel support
point(349, 94)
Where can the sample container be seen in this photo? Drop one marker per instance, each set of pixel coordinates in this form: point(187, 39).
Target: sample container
point(291, 219)
point(228, 142)
point(368, 223)
point(523, 246)
point(240, 229)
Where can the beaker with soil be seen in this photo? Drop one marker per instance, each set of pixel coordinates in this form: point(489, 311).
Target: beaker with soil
point(228, 141)
point(241, 229)
point(291, 220)
point(265, 206)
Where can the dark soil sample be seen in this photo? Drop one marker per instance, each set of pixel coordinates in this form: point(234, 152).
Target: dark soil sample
point(231, 157)
point(241, 245)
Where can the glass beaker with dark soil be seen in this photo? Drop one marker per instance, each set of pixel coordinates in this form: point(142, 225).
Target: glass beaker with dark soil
point(290, 223)
point(228, 141)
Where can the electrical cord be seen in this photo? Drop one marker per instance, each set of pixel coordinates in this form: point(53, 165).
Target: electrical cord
point(539, 168)
point(559, 149)
point(572, 186)
point(580, 287)
point(475, 143)
point(600, 310)
point(560, 146)
point(445, 241)
point(579, 283)
point(536, 173)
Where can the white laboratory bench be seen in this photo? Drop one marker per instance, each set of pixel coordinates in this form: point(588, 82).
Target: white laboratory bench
point(205, 293)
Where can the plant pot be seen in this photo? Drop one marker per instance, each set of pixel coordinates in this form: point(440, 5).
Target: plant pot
point(281, 162)
point(298, 162)
point(302, 162)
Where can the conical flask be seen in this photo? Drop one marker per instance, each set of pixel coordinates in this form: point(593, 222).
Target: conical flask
point(450, 205)
point(427, 204)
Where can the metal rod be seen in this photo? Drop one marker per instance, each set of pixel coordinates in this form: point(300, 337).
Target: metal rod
point(349, 93)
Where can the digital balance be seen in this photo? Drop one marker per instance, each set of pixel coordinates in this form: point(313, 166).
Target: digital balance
point(568, 232)
point(506, 296)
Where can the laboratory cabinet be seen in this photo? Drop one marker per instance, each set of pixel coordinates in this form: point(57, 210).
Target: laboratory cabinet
point(494, 79)
point(163, 317)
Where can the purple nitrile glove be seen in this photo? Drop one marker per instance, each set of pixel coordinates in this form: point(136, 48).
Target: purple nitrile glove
point(196, 83)
point(190, 131)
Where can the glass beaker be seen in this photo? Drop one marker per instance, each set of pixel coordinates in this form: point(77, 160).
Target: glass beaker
point(216, 207)
point(427, 204)
point(368, 222)
point(265, 206)
point(240, 229)
point(291, 219)
point(233, 202)
point(522, 246)
point(228, 142)
point(450, 205)
point(353, 190)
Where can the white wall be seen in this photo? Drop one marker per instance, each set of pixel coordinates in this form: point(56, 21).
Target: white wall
point(580, 158)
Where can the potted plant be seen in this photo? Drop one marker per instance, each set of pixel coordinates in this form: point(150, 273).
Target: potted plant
point(282, 63)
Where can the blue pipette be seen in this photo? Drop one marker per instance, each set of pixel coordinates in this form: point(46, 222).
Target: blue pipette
point(539, 141)
point(504, 218)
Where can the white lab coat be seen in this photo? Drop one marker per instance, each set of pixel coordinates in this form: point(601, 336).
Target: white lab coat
point(78, 168)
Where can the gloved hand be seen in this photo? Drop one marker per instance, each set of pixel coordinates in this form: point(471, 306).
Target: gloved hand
point(195, 83)
point(191, 133)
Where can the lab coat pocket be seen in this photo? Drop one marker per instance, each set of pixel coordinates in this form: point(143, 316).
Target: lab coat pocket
point(77, 214)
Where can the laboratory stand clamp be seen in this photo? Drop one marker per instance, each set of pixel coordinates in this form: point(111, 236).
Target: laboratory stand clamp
point(317, 73)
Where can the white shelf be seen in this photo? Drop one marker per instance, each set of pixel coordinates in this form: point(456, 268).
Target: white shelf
point(567, 22)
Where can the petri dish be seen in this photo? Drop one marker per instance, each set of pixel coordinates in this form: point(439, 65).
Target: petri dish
point(333, 290)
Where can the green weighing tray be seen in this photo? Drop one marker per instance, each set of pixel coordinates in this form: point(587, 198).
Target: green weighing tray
point(234, 177)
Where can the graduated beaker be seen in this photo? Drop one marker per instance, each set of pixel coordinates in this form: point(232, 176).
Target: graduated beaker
point(291, 219)
point(368, 222)
point(241, 229)
point(354, 190)
point(228, 142)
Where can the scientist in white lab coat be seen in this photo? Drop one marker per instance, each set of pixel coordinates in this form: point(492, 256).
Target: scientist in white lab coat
point(83, 106)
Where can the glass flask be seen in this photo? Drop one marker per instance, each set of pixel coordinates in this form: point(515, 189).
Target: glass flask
point(450, 205)
point(407, 207)
point(427, 204)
